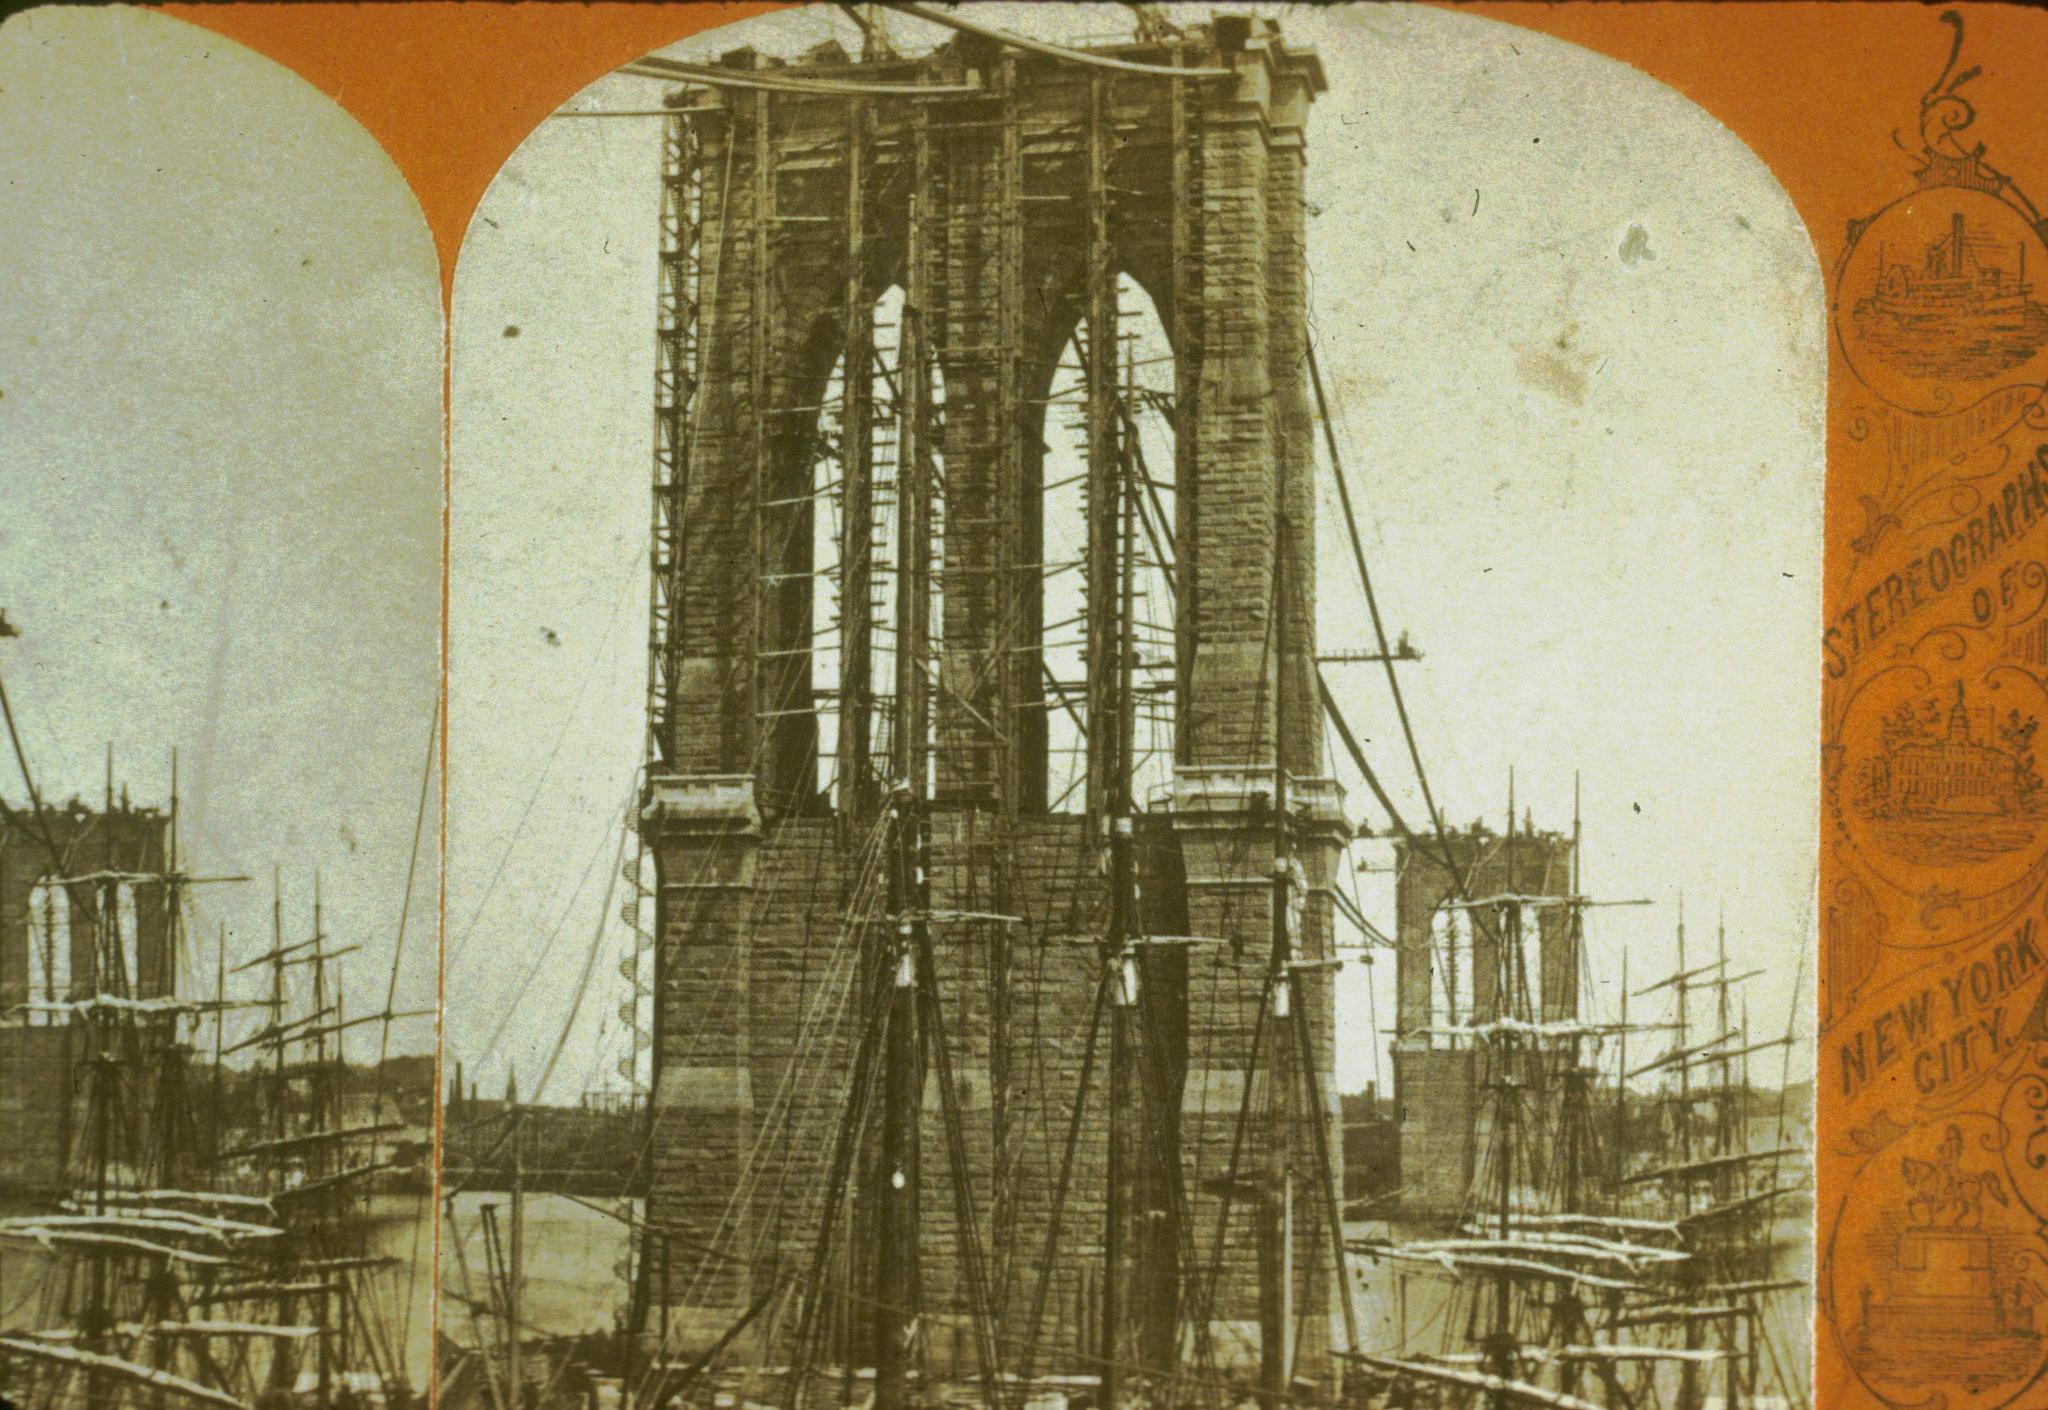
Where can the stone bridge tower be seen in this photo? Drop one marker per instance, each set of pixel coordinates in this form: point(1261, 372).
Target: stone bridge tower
point(60, 868)
point(849, 607)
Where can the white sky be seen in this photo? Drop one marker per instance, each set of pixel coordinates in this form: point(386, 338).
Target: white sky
point(1590, 488)
point(220, 485)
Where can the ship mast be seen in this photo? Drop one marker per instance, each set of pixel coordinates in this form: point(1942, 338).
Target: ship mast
point(98, 1317)
point(180, 1129)
point(1110, 587)
point(220, 1025)
point(1684, 983)
point(1276, 1244)
point(909, 895)
point(320, 1088)
point(320, 1095)
point(515, 1277)
point(277, 954)
point(1688, 1371)
point(1575, 1081)
point(1620, 1167)
point(1575, 1108)
point(1500, 1348)
point(1730, 1177)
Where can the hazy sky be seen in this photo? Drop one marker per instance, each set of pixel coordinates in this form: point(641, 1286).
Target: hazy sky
point(1574, 332)
point(220, 486)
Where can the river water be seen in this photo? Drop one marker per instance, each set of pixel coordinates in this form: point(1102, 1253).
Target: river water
point(575, 1261)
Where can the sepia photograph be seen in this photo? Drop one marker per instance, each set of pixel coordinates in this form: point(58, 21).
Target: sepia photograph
point(1223, 705)
point(220, 547)
point(1132, 715)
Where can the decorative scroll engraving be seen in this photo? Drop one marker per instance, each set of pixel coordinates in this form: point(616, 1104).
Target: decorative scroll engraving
point(1935, 1059)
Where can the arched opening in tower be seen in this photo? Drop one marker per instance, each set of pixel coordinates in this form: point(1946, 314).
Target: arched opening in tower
point(1144, 513)
point(1451, 979)
point(124, 947)
point(855, 596)
point(49, 949)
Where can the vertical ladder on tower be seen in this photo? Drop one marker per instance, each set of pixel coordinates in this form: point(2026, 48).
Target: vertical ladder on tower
point(677, 367)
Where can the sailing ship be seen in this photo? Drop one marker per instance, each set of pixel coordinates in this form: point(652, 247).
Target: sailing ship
point(1591, 1267)
point(1619, 1248)
point(197, 1250)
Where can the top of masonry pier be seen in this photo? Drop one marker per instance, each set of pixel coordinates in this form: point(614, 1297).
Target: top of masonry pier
point(1245, 56)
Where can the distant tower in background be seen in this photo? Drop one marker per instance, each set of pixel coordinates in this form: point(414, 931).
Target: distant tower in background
point(1447, 973)
point(55, 866)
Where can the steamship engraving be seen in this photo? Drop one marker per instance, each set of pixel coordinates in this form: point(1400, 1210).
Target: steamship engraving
point(1959, 307)
point(1953, 785)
